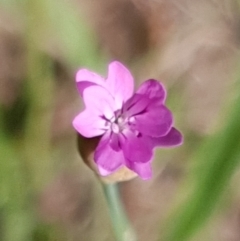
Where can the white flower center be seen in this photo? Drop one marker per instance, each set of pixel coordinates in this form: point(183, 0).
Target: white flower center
point(115, 128)
point(118, 123)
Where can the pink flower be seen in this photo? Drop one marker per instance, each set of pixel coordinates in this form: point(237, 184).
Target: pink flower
point(131, 124)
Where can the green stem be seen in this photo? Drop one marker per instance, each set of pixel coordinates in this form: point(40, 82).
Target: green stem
point(120, 222)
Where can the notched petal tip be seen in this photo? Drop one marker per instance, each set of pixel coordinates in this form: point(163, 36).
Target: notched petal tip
point(85, 78)
point(143, 170)
point(87, 75)
point(153, 89)
point(174, 138)
point(120, 81)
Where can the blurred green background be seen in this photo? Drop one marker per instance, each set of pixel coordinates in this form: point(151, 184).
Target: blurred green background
point(46, 192)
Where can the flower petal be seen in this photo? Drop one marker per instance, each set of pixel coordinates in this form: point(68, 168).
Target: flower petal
point(136, 148)
point(156, 121)
point(86, 78)
point(153, 89)
point(114, 141)
point(136, 104)
point(106, 158)
point(99, 101)
point(88, 124)
point(119, 82)
point(144, 170)
point(103, 172)
point(173, 138)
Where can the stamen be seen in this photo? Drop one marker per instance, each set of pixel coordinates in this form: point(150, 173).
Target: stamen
point(131, 119)
point(115, 128)
point(120, 120)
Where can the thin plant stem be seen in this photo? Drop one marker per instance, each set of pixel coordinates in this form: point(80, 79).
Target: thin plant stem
point(120, 222)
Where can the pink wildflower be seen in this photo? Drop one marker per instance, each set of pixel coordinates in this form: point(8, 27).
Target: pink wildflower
point(131, 124)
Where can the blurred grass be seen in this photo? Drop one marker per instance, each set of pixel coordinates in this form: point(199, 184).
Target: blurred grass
point(77, 41)
point(26, 162)
point(16, 222)
point(39, 87)
point(216, 161)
